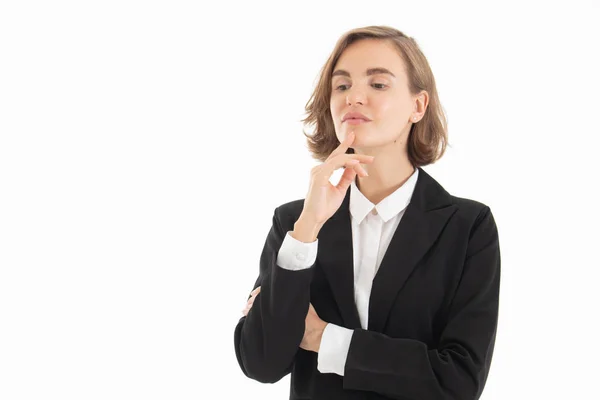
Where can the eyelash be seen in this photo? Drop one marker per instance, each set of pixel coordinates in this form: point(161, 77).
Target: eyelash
point(381, 88)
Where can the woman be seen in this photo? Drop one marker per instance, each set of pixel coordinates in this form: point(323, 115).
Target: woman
point(384, 286)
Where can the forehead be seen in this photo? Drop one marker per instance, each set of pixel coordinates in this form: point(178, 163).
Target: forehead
point(368, 53)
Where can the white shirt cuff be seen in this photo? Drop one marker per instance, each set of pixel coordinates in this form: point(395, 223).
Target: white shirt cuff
point(296, 255)
point(335, 344)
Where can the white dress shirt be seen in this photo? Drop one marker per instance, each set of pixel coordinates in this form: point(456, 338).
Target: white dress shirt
point(372, 229)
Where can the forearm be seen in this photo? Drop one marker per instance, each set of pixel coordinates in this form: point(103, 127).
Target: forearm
point(268, 337)
point(408, 369)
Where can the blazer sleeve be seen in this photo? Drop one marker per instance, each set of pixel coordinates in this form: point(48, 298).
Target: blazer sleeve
point(267, 339)
point(458, 367)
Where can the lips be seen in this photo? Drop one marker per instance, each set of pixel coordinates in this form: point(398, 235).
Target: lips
point(355, 116)
point(356, 121)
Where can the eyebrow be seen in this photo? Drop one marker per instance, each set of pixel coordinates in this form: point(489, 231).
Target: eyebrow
point(370, 71)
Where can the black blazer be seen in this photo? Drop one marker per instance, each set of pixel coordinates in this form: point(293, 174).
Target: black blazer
point(433, 308)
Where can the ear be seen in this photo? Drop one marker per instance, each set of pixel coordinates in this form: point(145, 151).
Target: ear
point(421, 101)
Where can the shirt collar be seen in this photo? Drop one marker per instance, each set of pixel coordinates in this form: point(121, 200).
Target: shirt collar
point(387, 208)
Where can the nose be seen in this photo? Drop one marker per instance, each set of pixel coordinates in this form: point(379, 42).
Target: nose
point(354, 97)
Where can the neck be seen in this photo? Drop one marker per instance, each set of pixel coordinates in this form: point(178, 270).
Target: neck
point(388, 171)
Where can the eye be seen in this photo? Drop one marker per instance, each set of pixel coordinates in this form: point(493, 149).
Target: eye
point(341, 87)
point(379, 85)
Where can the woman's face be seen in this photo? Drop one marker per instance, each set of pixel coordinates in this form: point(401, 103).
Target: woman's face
point(369, 78)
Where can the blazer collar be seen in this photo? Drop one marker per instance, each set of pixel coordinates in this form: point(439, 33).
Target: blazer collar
point(426, 215)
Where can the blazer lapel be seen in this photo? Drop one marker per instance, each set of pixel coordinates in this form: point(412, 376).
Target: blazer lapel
point(336, 259)
point(426, 215)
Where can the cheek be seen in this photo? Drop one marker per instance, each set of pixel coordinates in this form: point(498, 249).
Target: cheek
point(384, 112)
point(390, 110)
point(387, 103)
point(336, 106)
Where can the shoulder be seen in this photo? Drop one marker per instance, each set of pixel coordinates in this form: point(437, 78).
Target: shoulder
point(474, 216)
point(469, 206)
point(432, 196)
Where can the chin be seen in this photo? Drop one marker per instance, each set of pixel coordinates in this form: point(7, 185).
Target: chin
point(365, 138)
point(369, 145)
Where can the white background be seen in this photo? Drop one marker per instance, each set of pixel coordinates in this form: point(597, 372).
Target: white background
point(145, 145)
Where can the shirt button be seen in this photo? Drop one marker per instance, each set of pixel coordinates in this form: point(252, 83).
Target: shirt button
point(374, 211)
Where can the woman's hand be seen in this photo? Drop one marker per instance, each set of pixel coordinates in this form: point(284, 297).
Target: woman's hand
point(313, 330)
point(324, 199)
point(253, 295)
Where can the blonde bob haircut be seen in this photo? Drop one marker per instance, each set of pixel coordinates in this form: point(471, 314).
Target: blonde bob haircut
point(427, 139)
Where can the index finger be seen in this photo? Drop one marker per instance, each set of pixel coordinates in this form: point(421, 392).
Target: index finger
point(345, 145)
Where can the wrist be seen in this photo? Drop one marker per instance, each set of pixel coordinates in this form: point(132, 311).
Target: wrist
point(320, 336)
point(306, 230)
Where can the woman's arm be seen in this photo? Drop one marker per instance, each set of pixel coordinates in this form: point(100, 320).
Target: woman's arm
point(267, 339)
point(458, 367)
